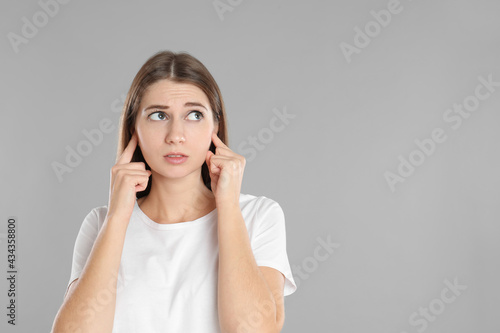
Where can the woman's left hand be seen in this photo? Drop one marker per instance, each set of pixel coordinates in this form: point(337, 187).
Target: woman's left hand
point(226, 172)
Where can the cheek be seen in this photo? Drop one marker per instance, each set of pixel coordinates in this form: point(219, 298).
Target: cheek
point(199, 137)
point(147, 140)
point(208, 140)
point(140, 138)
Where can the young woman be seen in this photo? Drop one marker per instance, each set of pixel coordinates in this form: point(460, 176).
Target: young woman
point(178, 248)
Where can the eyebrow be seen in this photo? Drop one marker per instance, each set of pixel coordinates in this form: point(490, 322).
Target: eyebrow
point(158, 106)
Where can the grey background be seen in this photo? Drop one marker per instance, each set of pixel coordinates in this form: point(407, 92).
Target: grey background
point(325, 168)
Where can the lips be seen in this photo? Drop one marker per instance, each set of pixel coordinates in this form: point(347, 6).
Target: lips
point(176, 154)
point(176, 160)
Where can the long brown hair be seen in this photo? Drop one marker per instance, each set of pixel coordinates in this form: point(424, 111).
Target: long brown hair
point(181, 68)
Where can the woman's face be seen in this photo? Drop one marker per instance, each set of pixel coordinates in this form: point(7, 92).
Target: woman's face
point(170, 120)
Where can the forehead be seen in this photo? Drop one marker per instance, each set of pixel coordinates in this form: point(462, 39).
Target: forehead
point(168, 92)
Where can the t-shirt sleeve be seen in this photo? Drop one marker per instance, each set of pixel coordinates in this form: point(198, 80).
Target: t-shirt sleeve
point(269, 243)
point(84, 243)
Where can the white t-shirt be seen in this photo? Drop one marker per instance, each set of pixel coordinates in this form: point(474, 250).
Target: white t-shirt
point(167, 280)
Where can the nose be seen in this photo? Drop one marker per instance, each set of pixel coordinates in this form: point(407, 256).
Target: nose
point(175, 132)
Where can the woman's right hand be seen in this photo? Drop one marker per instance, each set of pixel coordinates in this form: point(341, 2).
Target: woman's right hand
point(127, 178)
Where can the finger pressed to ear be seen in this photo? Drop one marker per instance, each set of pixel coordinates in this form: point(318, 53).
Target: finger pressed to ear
point(128, 152)
point(219, 141)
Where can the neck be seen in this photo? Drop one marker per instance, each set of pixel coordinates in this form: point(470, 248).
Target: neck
point(173, 200)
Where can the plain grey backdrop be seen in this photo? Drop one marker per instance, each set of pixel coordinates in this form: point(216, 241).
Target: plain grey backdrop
point(374, 124)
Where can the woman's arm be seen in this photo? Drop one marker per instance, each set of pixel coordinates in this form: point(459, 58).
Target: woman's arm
point(246, 299)
point(249, 299)
point(89, 306)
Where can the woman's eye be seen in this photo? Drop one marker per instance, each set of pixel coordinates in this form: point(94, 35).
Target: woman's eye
point(197, 112)
point(160, 114)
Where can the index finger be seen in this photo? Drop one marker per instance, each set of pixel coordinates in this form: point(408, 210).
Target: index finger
point(128, 152)
point(217, 141)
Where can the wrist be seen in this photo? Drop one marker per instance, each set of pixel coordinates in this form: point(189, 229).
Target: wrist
point(228, 205)
point(116, 220)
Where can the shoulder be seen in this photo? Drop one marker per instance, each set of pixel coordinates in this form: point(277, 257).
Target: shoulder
point(99, 211)
point(254, 199)
point(261, 210)
point(96, 216)
point(265, 222)
point(258, 203)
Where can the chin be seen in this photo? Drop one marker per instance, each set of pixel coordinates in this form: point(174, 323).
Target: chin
point(177, 171)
